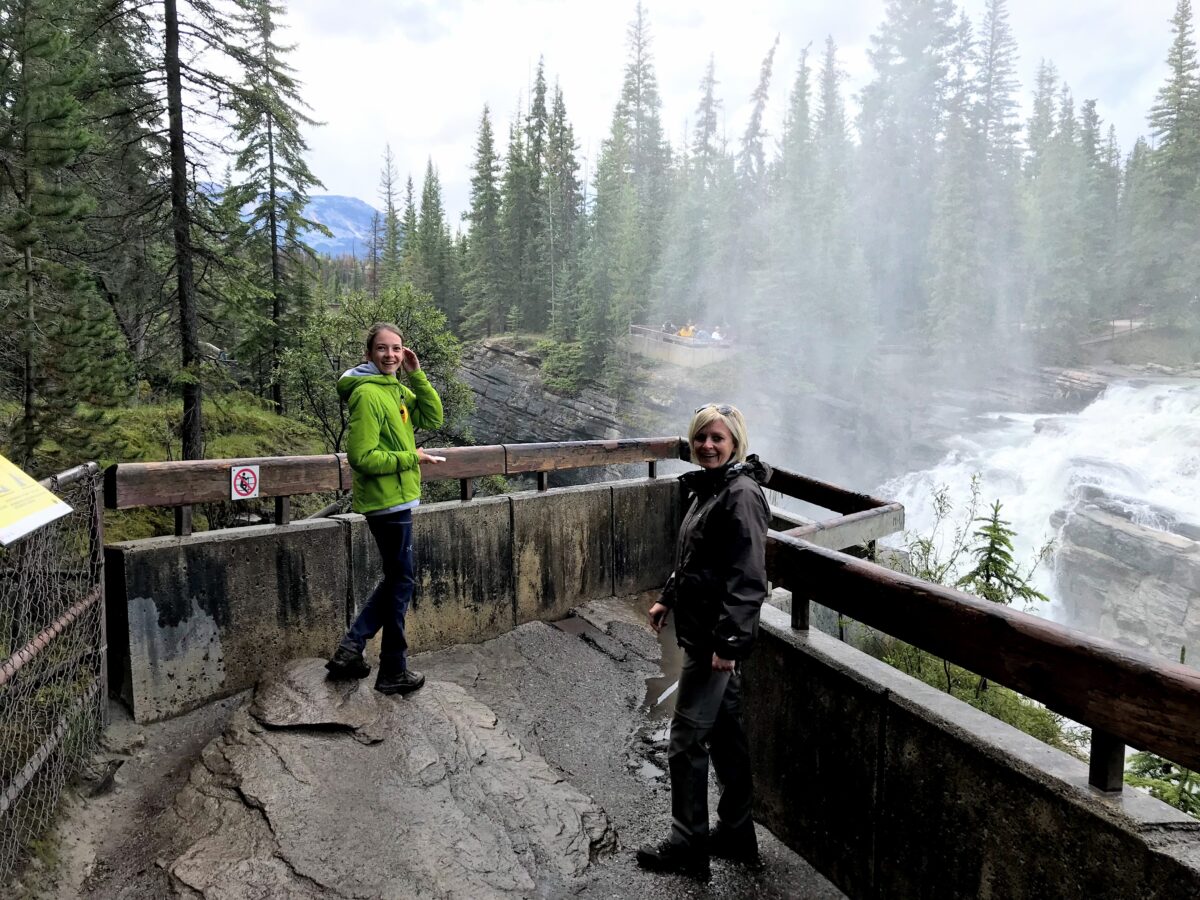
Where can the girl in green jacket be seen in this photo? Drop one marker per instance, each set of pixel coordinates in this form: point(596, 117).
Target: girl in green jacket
point(386, 462)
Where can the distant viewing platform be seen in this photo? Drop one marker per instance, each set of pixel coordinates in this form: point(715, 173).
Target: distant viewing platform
point(691, 352)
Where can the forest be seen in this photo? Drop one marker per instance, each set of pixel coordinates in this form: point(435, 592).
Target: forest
point(162, 303)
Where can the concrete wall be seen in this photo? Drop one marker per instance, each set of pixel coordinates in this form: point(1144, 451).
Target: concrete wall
point(200, 617)
point(893, 789)
point(195, 618)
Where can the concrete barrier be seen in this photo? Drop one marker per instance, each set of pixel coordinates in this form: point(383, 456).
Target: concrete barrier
point(196, 618)
point(464, 571)
point(200, 617)
point(892, 788)
point(562, 550)
point(646, 516)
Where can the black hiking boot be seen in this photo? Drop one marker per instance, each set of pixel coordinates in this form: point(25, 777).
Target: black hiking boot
point(738, 845)
point(666, 856)
point(346, 665)
point(403, 682)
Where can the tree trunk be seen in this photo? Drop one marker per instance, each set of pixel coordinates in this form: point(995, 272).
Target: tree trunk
point(192, 432)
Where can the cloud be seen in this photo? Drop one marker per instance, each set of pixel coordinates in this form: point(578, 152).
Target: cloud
point(417, 74)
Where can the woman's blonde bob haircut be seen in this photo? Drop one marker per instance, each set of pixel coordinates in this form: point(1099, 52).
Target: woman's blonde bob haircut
point(734, 421)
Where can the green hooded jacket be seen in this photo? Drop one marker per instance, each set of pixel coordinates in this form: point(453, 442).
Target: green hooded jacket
point(381, 449)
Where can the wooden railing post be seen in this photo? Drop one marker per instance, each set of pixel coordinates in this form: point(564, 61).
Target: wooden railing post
point(801, 609)
point(653, 466)
point(542, 481)
point(466, 489)
point(283, 510)
point(183, 520)
point(1106, 762)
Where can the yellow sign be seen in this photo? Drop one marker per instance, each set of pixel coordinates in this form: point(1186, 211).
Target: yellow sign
point(24, 504)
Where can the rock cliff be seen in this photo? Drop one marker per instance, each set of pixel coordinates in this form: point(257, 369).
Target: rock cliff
point(1129, 582)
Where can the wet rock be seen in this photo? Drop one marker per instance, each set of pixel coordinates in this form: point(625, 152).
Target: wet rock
point(333, 790)
point(1129, 582)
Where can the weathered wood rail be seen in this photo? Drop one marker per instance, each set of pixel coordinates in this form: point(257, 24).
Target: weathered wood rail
point(1125, 697)
point(182, 484)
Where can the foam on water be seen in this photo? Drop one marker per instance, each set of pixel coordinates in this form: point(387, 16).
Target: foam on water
point(1139, 444)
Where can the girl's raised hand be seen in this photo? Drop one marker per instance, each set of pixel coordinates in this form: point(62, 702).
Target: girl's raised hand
point(410, 363)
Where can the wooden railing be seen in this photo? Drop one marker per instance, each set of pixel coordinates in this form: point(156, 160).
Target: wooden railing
point(184, 483)
point(1125, 697)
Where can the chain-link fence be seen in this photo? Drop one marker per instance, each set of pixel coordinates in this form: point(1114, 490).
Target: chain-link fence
point(52, 661)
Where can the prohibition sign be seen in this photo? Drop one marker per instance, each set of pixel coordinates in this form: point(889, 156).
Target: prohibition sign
point(243, 482)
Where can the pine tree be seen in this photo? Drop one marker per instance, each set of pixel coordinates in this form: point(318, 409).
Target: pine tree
point(535, 286)
point(995, 575)
point(394, 231)
point(43, 203)
point(483, 313)
point(999, 244)
point(432, 263)
point(960, 317)
point(564, 221)
point(276, 179)
point(1175, 124)
point(516, 227)
point(900, 121)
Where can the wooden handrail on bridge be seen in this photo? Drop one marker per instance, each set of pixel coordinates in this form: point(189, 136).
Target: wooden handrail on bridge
point(1124, 696)
point(181, 484)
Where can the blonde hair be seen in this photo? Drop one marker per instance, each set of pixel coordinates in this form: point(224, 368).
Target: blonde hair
point(378, 328)
point(734, 421)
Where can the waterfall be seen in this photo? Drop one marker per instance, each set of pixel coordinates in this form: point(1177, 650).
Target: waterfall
point(1136, 448)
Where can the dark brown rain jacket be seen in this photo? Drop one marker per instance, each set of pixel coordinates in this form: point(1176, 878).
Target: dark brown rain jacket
point(720, 578)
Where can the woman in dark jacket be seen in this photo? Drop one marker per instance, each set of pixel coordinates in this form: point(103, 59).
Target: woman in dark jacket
point(716, 592)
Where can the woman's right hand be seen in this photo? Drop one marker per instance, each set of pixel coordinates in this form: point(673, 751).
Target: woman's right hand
point(425, 459)
point(658, 616)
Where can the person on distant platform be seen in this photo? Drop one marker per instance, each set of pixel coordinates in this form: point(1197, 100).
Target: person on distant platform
point(386, 465)
point(716, 335)
point(716, 592)
point(687, 330)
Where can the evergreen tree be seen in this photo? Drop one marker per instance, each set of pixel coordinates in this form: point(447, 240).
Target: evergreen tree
point(900, 121)
point(276, 179)
point(1175, 124)
point(999, 171)
point(960, 320)
point(995, 575)
point(484, 311)
point(517, 202)
point(394, 231)
point(432, 262)
point(535, 265)
point(564, 221)
point(41, 138)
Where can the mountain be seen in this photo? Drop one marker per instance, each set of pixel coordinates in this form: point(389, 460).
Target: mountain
point(347, 217)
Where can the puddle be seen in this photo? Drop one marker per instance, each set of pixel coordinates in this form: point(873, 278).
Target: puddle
point(659, 700)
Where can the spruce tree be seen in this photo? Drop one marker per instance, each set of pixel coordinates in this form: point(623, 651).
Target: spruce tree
point(483, 313)
point(1175, 124)
point(41, 138)
point(276, 178)
point(394, 231)
point(562, 238)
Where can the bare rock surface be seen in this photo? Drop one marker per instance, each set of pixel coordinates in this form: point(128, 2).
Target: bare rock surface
point(321, 789)
point(1131, 583)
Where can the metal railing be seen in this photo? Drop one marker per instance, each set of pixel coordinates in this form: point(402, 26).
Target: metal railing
point(53, 665)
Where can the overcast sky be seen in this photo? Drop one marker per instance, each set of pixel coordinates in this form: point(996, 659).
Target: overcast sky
point(416, 73)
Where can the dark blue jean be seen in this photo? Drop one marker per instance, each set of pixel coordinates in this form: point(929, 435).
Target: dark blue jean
point(388, 603)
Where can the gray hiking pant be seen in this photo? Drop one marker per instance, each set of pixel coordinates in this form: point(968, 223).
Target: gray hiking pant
point(707, 722)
